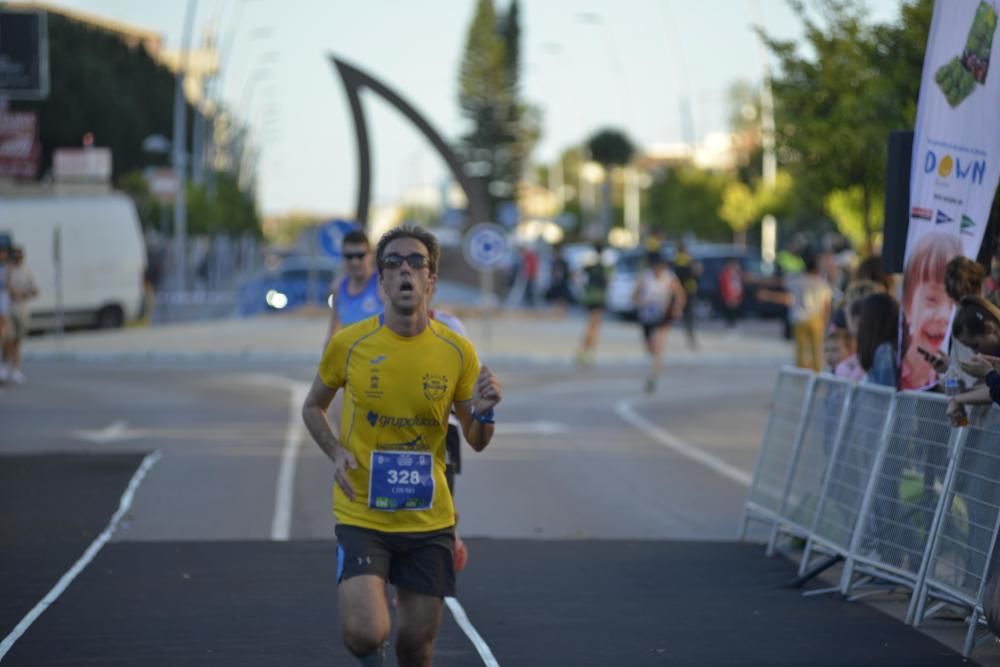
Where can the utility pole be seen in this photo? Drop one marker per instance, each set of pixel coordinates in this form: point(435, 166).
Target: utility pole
point(769, 165)
point(180, 154)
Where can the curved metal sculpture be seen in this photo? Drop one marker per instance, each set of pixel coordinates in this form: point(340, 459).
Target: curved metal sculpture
point(354, 80)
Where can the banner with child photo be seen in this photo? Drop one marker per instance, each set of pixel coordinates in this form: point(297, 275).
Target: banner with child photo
point(953, 179)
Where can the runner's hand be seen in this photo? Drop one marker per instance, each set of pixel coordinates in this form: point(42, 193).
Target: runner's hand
point(488, 391)
point(343, 461)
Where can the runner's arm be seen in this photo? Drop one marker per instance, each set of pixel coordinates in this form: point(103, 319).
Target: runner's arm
point(475, 415)
point(314, 415)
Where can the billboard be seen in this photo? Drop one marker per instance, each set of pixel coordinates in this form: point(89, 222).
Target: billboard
point(953, 177)
point(20, 150)
point(24, 54)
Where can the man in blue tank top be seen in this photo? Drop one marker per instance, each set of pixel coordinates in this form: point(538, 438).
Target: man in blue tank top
point(355, 294)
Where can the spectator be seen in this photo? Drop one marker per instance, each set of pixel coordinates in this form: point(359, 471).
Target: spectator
point(731, 292)
point(992, 286)
point(687, 270)
point(808, 299)
point(529, 266)
point(559, 291)
point(878, 331)
point(977, 326)
point(23, 288)
point(841, 358)
point(871, 269)
point(855, 293)
point(4, 306)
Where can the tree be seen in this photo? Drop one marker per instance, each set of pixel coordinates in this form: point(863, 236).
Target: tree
point(743, 206)
point(609, 148)
point(486, 100)
point(102, 85)
point(836, 107)
point(687, 200)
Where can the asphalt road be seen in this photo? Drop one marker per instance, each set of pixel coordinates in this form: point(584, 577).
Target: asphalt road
point(587, 479)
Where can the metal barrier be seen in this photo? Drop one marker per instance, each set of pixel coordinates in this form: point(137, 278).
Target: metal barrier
point(881, 479)
point(903, 498)
point(778, 446)
point(959, 561)
point(811, 459)
point(851, 465)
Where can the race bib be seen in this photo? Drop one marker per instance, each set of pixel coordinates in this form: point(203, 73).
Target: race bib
point(401, 481)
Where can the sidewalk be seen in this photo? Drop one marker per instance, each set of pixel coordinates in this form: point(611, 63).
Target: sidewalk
point(510, 336)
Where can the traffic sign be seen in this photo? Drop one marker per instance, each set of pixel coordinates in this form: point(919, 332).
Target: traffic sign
point(331, 236)
point(485, 246)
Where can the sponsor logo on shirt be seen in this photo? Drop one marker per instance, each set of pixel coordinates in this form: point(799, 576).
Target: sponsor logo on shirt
point(435, 386)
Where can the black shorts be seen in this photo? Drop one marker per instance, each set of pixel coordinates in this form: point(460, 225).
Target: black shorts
point(649, 328)
point(419, 562)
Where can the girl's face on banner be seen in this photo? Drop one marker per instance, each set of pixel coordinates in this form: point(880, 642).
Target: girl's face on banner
point(930, 311)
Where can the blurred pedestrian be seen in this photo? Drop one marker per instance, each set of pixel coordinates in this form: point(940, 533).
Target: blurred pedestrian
point(559, 293)
point(355, 294)
point(688, 270)
point(659, 298)
point(23, 288)
point(529, 268)
point(808, 298)
point(395, 516)
point(594, 300)
point(731, 292)
point(5, 304)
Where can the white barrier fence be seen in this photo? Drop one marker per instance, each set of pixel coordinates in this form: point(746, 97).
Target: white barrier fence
point(880, 480)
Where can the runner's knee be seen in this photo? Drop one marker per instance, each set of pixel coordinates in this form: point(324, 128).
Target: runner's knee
point(363, 640)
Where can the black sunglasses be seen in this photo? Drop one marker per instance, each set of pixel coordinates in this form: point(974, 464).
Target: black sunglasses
point(415, 260)
point(354, 255)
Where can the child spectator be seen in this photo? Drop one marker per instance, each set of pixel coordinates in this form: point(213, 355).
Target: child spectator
point(878, 330)
point(841, 359)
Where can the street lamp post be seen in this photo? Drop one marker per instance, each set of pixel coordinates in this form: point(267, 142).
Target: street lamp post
point(180, 155)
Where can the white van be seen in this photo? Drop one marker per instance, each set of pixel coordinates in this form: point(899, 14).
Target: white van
point(103, 256)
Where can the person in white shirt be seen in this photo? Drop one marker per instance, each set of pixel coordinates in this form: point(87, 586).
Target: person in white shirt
point(659, 298)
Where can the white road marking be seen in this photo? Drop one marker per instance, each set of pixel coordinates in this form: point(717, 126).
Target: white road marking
point(625, 410)
point(531, 428)
point(284, 496)
point(470, 631)
point(114, 432)
point(124, 505)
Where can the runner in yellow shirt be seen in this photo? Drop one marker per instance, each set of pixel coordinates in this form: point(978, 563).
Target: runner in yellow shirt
point(401, 373)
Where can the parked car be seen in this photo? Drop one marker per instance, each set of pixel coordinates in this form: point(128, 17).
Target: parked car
point(712, 257)
point(296, 282)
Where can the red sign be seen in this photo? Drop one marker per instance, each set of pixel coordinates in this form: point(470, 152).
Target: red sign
point(20, 150)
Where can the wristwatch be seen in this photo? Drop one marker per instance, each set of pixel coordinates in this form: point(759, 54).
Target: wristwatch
point(484, 418)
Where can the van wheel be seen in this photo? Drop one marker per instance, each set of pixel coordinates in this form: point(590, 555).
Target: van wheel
point(110, 317)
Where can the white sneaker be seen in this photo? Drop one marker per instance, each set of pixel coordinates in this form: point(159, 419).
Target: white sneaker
point(17, 377)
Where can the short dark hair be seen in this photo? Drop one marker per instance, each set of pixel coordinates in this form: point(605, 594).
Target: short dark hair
point(963, 277)
point(973, 313)
point(878, 324)
point(810, 260)
point(410, 232)
point(357, 237)
point(871, 269)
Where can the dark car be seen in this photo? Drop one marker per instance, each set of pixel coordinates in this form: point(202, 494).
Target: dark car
point(296, 282)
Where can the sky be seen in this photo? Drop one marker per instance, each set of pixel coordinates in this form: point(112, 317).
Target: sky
point(587, 63)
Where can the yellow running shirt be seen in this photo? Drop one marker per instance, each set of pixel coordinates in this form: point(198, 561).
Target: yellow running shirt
point(398, 392)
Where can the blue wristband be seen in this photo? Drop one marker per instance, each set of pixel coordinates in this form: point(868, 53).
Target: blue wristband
point(484, 418)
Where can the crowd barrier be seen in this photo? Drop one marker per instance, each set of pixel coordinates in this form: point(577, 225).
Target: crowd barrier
point(878, 479)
